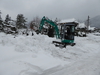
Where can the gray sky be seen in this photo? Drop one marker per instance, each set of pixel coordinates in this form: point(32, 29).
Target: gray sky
point(62, 9)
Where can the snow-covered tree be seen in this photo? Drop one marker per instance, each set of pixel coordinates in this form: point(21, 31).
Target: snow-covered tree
point(7, 19)
point(1, 22)
point(21, 21)
point(34, 24)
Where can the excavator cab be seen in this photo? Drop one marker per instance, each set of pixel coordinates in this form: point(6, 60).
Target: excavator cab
point(67, 32)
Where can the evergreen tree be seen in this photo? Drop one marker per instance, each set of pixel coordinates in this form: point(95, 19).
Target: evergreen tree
point(20, 23)
point(0, 16)
point(7, 19)
point(0, 19)
point(1, 22)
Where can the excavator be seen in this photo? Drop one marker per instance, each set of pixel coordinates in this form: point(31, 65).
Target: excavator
point(65, 33)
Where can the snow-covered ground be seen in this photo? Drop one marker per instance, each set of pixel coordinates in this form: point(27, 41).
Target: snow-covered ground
point(36, 55)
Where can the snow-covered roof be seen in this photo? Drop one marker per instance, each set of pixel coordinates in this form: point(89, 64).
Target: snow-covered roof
point(92, 28)
point(81, 25)
point(67, 20)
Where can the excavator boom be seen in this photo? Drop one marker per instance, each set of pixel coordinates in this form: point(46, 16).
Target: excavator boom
point(51, 23)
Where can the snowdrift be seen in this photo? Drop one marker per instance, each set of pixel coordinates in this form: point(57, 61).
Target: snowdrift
point(36, 55)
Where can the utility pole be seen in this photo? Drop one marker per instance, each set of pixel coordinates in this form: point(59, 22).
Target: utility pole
point(0, 14)
point(88, 23)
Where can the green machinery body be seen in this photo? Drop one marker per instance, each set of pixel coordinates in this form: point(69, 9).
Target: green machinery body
point(51, 23)
point(62, 33)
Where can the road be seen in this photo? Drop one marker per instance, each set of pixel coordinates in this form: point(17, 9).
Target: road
point(89, 66)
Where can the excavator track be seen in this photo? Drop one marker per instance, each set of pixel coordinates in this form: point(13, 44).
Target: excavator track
point(61, 44)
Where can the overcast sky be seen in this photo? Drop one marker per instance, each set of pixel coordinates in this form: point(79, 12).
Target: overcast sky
point(62, 9)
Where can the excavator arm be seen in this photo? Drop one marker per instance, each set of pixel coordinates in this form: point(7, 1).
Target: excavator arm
point(51, 23)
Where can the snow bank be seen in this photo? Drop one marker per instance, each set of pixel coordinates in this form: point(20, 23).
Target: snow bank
point(36, 55)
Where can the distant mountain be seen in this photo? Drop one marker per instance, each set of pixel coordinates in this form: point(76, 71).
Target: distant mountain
point(95, 21)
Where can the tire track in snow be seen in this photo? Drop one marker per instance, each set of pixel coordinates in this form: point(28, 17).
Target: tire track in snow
point(89, 66)
point(31, 69)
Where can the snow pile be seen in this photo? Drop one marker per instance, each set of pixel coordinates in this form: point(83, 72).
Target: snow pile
point(36, 55)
